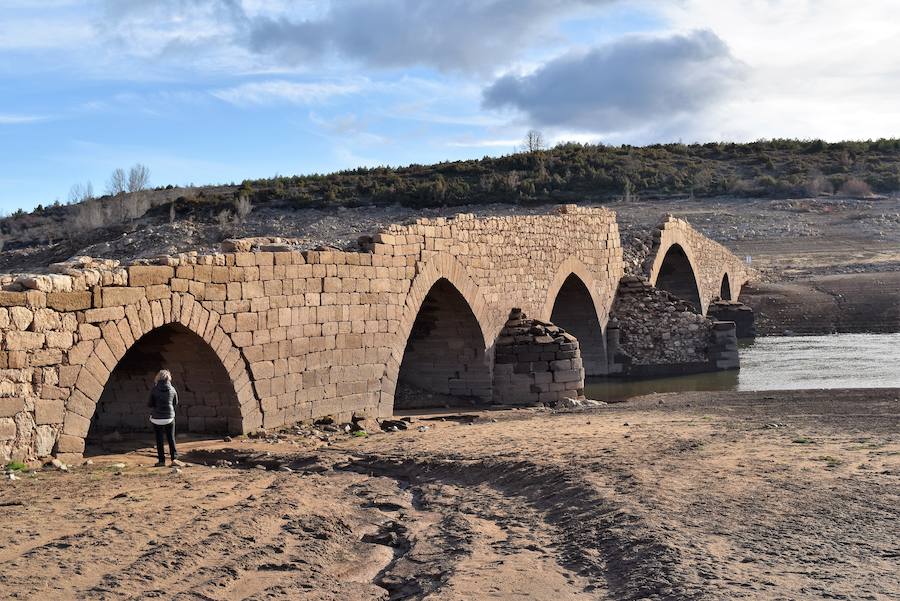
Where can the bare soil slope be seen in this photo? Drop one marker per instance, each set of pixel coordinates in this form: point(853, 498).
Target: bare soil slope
point(697, 496)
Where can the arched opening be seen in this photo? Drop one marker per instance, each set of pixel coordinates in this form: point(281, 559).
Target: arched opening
point(207, 402)
point(677, 276)
point(573, 310)
point(445, 359)
point(725, 288)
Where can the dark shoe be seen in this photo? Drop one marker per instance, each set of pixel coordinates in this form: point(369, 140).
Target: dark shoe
point(160, 464)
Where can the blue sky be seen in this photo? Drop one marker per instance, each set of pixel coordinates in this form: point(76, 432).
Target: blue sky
point(210, 91)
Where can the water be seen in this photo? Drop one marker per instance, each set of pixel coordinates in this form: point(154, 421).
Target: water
point(784, 363)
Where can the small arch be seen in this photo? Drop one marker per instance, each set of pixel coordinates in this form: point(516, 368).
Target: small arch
point(725, 288)
point(574, 311)
point(208, 401)
point(676, 275)
point(445, 353)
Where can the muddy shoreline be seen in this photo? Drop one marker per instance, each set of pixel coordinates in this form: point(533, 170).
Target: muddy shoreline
point(776, 495)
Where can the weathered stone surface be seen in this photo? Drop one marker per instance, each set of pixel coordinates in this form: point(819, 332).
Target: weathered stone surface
point(117, 297)
point(44, 439)
point(9, 406)
point(49, 411)
point(7, 428)
point(21, 317)
point(24, 341)
point(69, 301)
point(149, 275)
point(104, 314)
point(12, 299)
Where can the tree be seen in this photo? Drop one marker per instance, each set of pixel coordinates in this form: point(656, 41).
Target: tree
point(534, 141)
point(117, 183)
point(81, 192)
point(138, 178)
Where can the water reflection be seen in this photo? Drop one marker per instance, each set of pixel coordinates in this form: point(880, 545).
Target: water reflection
point(783, 363)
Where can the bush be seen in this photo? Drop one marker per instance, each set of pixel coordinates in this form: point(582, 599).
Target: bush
point(855, 188)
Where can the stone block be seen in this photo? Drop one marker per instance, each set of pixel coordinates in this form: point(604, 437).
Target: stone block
point(49, 411)
point(9, 406)
point(45, 357)
point(24, 341)
point(69, 301)
point(21, 317)
point(70, 444)
point(80, 404)
point(76, 425)
point(60, 340)
point(7, 428)
point(44, 439)
point(12, 299)
point(149, 275)
point(104, 314)
point(121, 296)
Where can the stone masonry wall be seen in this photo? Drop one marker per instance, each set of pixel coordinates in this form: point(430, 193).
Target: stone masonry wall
point(300, 334)
point(657, 328)
point(536, 363)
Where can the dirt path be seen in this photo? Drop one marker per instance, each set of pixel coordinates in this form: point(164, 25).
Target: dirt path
point(690, 496)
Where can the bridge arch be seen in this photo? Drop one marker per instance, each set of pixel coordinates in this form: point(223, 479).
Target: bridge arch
point(675, 270)
point(442, 342)
point(112, 385)
point(573, 304)
point(725, 288)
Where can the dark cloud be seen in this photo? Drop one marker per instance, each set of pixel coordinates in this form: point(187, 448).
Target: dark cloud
point(471, 35)
point(626, 84)
point(450, 35)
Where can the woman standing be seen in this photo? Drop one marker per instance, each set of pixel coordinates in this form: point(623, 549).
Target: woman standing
point(163, 400)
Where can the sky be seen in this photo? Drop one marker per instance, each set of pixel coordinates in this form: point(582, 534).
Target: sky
point(216, 91)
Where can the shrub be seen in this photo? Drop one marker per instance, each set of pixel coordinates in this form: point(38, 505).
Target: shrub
point(855, 188)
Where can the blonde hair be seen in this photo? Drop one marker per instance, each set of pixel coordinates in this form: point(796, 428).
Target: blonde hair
point(164, 374)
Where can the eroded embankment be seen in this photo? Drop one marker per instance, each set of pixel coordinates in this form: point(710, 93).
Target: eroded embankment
point(848, 303)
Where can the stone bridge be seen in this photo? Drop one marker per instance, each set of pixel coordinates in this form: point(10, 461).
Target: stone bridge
point(693, 267)
point(273, 336)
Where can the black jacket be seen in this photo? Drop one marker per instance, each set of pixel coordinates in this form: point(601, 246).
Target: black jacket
point(163, 400)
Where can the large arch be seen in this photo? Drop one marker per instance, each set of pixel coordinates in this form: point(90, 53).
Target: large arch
point(445, 352)
point(676, 273)
point(119, 336)
point(583, 316)
point(208, 403)
point(440, 267)
point(574, 311)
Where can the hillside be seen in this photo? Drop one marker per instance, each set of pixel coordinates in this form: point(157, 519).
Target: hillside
point(171, 219)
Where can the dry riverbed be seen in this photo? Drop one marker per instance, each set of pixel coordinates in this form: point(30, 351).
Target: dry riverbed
point(684, 496)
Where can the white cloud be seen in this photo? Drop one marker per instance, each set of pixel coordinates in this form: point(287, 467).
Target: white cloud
point(281, 92)
point(816, 68)
point(13, 119)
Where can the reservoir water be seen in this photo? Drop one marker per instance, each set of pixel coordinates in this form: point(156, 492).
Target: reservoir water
point(783, 363)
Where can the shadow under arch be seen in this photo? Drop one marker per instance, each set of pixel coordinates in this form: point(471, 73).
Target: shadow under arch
point(445, 353)
point(725, 288)
point(208, 401)
point(573, 303)
point(677, 275)
point(446, 267)
point(573, 310)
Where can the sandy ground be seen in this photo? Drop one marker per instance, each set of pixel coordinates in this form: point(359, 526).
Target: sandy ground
point(681, 496)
